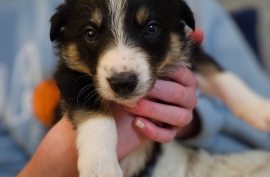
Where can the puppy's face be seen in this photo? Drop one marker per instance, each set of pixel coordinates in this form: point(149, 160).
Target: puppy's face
point(123, 44)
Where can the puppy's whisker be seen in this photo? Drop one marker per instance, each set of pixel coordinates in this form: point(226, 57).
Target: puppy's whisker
point(98, 99)
point(83, 83)
point(87, 99)
point(79, 79)
point(82, 91)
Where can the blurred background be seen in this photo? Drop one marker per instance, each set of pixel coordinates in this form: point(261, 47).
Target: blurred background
point(262, 12)
point(27, 60)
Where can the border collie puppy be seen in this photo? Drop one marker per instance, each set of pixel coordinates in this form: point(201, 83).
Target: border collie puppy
point(114, 50)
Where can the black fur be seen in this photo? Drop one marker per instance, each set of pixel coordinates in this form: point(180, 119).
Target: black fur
point(202, 60)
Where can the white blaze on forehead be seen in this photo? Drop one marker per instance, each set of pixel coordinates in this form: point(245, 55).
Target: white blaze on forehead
point(116, 8)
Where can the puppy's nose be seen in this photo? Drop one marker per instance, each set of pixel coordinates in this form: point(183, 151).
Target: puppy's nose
point(123, 83)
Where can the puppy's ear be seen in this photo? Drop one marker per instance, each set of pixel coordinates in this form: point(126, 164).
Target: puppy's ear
point(58, 21)
point(187, 15)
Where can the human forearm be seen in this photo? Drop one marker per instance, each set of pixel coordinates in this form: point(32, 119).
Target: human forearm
point(52, 158)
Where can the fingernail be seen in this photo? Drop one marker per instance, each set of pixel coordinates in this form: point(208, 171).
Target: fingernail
point(132, 105)
point(140, 124)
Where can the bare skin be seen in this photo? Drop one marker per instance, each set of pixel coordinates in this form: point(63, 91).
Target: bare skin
point(57, 154)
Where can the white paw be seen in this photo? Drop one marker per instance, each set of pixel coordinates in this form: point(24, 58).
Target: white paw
point(96, 144)
point(103, 168)
point(256, 113)
point(241, 100)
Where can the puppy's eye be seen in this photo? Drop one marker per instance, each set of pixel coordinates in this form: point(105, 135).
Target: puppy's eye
point(91, 35)
point(153, 30)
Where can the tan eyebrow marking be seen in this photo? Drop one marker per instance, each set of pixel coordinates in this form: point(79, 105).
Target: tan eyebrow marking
point(175, 57)
point(97, 17)
point(142, 15)
point(71, 56)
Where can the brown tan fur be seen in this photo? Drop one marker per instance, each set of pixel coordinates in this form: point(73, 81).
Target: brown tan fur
point(71, 57)
point(142, 16)
point(173, 56)
point(97, 18)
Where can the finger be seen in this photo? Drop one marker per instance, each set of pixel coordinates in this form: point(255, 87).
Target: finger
point(150, 130)
point(197, 36)
point(169, 114)
point(174, 93)
point(184, 76)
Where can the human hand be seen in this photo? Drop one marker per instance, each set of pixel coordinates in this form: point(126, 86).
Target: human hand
point(168, 118)
point(180, 99)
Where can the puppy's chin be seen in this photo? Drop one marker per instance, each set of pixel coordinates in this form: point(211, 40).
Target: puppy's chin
point(129, 100)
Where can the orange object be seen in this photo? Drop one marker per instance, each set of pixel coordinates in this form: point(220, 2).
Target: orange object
point(45, 99)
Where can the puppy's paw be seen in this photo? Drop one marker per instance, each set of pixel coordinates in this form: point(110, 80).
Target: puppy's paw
point(104, 168)
point(241, 100)
point(96, 144)
point(256, 113)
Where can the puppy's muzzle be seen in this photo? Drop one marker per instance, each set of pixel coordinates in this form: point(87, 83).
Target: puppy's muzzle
point(123, 83)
